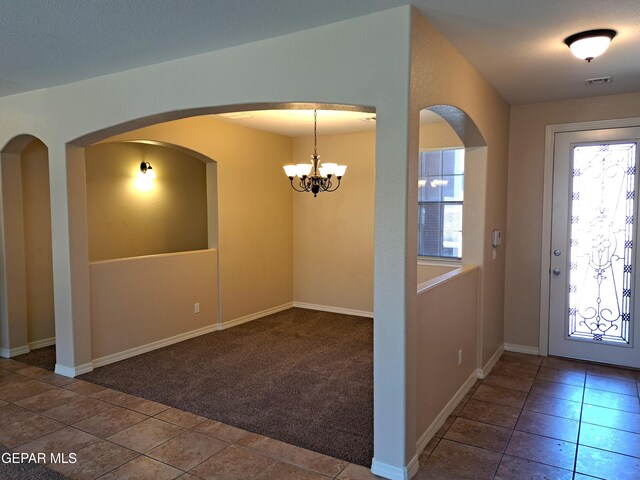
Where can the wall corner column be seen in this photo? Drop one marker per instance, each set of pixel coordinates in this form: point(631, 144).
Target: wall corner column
point(395, 297)
point(71, 278)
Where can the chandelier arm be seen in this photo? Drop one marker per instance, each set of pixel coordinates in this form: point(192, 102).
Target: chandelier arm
point(297, 190)
point(336, 187)
point(308, 183)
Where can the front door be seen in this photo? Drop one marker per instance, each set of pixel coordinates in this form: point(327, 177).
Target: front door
point(594, 251)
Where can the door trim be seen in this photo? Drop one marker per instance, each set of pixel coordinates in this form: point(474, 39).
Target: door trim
point(547, 194)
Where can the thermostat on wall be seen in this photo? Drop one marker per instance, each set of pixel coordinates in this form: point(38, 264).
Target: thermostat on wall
point(496, 238)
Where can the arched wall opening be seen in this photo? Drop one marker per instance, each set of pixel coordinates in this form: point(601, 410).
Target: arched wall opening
point(458, 130)
point(27, 316)
point(151, 245)
point(240, 192)
point(131, 213)
point(449, 332)
point(260, 157)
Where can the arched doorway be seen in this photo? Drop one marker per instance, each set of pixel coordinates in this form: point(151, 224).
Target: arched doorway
point(27, 317)
point(273, 175)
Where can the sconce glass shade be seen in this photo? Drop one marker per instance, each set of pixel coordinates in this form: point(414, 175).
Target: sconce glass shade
point(590, 44)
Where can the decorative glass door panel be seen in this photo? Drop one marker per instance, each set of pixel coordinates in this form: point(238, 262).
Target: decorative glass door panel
point(593, 259)
point(601, 242)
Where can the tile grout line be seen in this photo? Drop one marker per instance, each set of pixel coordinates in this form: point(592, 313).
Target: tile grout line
point(575, 459)
point(516, 422)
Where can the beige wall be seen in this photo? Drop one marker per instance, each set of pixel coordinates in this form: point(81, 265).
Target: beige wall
point(37, 242)
point(526, 182)
point(429, 272)
point(141, 300)
point(439, 375)
point(480, 117)
point(438, 135)
point(14, 335)
point(125, 221)
point(441, 76)
point(333, 233)
point(255, 235)
point(346, 244)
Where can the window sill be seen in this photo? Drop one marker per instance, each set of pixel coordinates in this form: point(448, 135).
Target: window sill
point(439, 262)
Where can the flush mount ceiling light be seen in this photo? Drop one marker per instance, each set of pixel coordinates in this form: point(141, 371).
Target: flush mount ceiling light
point(590, 44)
point(313, 177)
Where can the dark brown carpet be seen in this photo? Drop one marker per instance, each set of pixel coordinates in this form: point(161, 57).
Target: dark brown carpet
point(43, 357)
point(300, 376)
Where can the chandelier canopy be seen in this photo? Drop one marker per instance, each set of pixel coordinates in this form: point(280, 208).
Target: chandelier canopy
point(311, 176)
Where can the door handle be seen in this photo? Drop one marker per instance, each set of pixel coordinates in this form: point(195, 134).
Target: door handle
point(555, 271)
point(557, 253)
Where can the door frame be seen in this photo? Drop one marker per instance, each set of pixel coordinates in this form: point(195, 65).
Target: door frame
point(547, 204)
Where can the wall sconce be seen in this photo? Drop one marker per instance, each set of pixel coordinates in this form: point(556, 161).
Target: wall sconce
point(144, 182)
point(147, 169)
point(590, 44)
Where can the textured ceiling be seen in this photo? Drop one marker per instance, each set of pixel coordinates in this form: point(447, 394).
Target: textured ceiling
point(516, 44)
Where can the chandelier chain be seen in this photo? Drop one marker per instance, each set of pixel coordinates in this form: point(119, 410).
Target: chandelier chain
point(315, 133)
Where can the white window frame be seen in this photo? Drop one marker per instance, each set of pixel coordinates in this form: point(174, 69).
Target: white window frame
point(443, 261)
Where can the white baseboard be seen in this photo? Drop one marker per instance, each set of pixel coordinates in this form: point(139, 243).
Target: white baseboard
point(484, 371)
point(45, 342)
point(393, 472)
point(413, 467)
point(132, 352)
point(14, 352)
point(327, 308)
point(426, 437)
point(255, 316)
point(512, 347)
point(73, 371)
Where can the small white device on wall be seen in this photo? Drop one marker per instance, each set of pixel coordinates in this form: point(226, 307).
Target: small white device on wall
point(496, 238)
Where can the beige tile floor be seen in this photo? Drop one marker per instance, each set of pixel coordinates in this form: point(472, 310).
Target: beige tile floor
point(541, 418)
point(532, 417)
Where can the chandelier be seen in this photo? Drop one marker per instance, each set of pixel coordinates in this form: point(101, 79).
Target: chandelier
point(311, 176)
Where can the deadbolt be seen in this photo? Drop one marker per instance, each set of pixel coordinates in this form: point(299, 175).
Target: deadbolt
point(557, 253)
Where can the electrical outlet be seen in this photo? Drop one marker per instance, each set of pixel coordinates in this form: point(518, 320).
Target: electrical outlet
point(196, 308)
point(460, 357)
